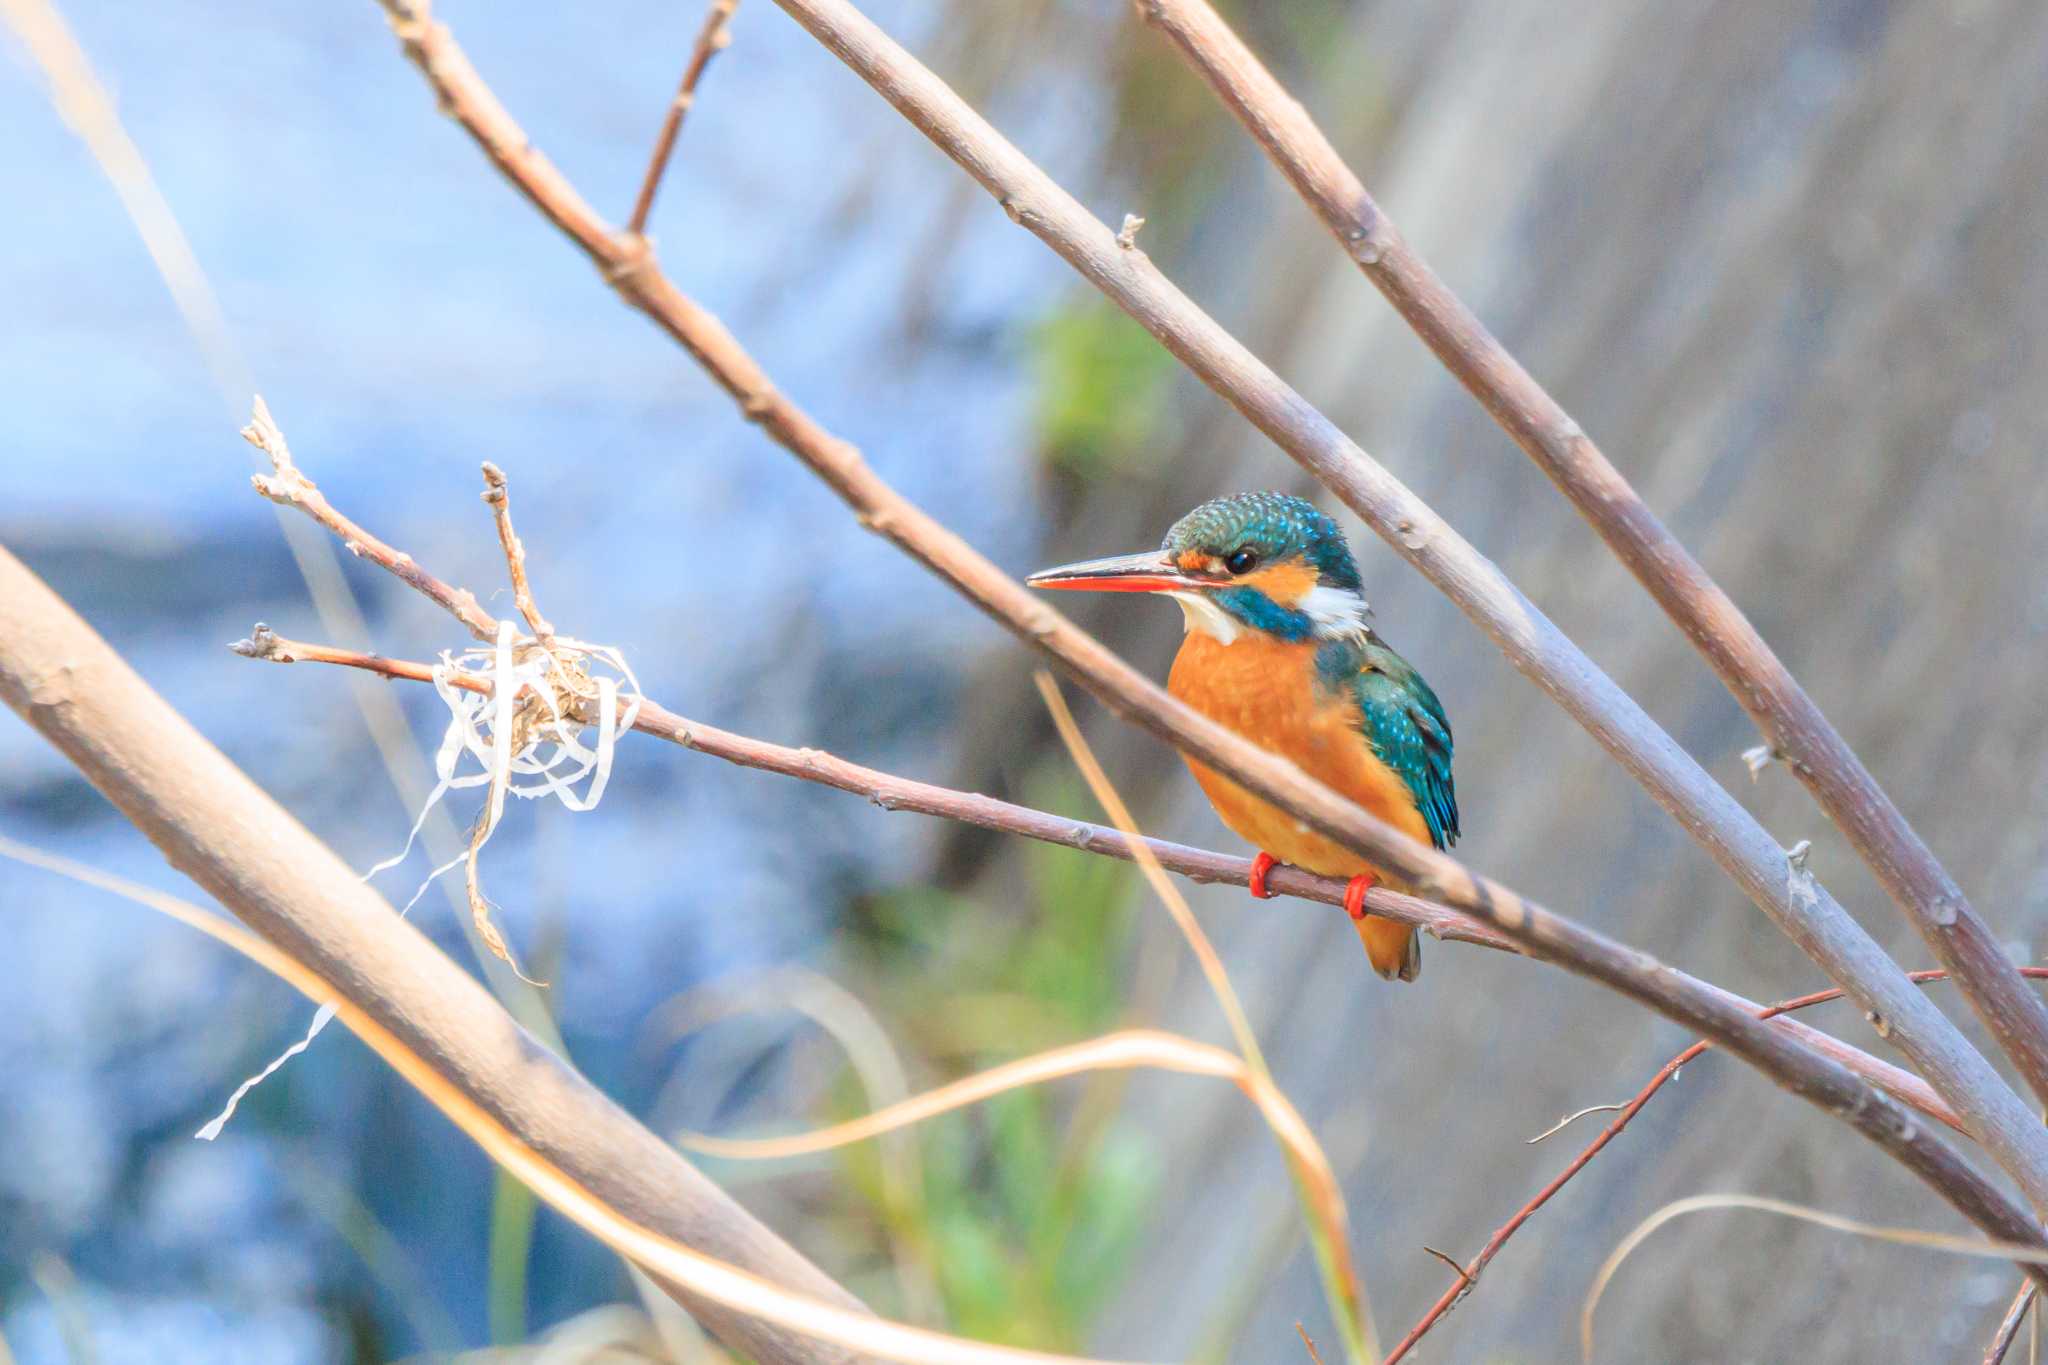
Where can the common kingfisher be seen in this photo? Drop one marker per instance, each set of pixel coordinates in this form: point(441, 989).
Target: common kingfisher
point(1279, 648)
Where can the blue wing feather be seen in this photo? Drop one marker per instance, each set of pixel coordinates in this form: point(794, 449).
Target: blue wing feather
point(1405, 724)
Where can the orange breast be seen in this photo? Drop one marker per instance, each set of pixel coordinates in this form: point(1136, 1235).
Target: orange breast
point(1265, 689)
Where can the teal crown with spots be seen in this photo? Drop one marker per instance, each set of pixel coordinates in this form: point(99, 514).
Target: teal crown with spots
point(1275, 527)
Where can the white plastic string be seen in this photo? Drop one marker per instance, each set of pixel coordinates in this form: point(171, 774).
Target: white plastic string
point(220, 1120)
point(321, 1016)
point(481, 726)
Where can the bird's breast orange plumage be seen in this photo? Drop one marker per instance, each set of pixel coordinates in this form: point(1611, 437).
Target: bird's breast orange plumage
point(1265, 689)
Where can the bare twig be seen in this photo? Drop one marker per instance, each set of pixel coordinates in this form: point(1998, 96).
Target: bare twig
point(1792, 724)
point(1468, 1276)
point(713, 38)
point(1801, 908)
point(2009, 1326)
point(1315, 1356)
point(1568, 1120)
point(286, 486)
point(1972, 1089)
point(499, 496)
point(1463, 1274)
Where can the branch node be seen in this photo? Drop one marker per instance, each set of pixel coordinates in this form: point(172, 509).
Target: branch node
point(1761, 757)
point(1127, 235)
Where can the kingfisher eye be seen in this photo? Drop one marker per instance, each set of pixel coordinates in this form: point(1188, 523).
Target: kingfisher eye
point(1242, 561)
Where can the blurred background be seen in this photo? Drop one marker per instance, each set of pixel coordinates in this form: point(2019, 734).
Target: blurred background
point(1784, 261)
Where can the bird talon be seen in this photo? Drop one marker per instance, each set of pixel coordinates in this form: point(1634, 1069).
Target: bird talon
point(1354, 894)
point(1261, 865)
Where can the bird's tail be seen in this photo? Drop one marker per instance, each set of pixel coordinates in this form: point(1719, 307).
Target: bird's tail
point(1395, 948)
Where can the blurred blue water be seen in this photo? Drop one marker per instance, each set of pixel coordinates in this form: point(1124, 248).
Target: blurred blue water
point(407, 317)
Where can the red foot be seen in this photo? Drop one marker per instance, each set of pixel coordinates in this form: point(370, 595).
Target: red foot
point(1354, 894)
point(1261, 865)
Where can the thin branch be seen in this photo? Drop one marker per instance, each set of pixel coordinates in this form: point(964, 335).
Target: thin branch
point(1972, 1089)
point(2009, 1326)
point(713, 38)
point(287, 487)
point(1468, 1276)
point(1791, 722)
point(1464, 1275)
point(894, 793)
point(1802, 909)
point(1568, 1120)
point(499, 496)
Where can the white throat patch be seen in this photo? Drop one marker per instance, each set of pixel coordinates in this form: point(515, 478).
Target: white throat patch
point(1203, 615)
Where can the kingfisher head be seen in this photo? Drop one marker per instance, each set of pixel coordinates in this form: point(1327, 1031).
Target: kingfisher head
point(1250, 562)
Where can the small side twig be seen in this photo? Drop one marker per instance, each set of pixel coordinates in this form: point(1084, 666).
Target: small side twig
point(1568, 1120)
point(712, 39)
point(498, 495)
point(1309, 1342)
point(286, 486)
point(1464, 1275)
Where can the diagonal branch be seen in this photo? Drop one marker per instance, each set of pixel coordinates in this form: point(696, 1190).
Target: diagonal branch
point(1751, 670)
point(1965, 1080)
point(1797, 903)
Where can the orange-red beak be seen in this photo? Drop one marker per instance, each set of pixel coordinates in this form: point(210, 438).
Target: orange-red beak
point(1151, 571)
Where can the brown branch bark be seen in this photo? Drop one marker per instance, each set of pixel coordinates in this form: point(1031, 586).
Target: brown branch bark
point(220, 829)
point(894, 793)
point(1796, 902)
point(1963, 1078)
point(1797, 731)
point(287, 487)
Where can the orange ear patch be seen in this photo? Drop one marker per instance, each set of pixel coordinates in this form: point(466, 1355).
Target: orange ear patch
point(1286, 583)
